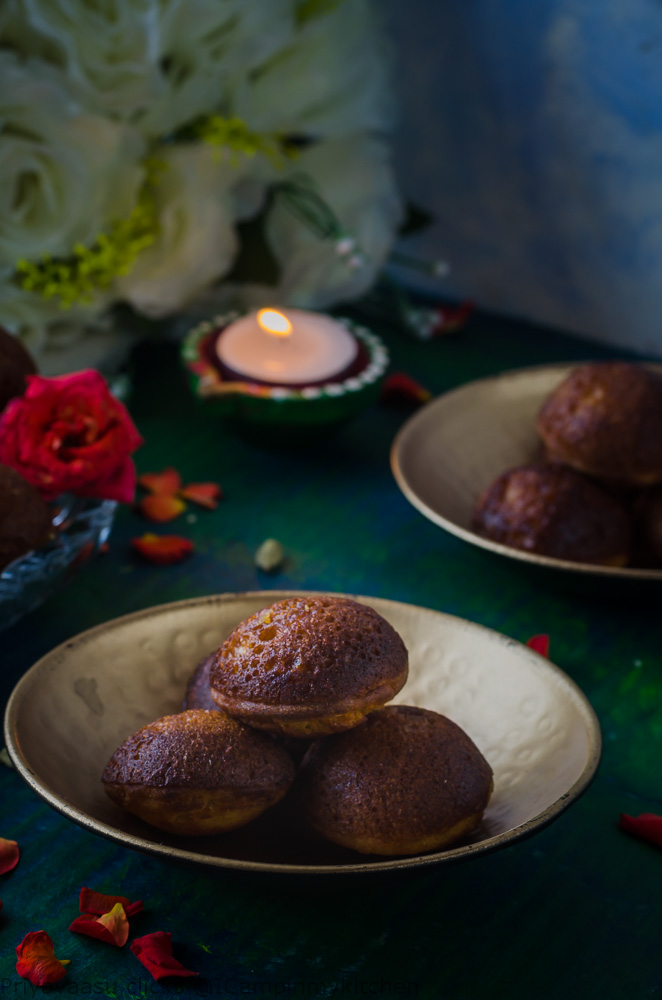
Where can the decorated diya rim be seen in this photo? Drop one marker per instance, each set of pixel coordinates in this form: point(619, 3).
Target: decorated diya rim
point(329, 397)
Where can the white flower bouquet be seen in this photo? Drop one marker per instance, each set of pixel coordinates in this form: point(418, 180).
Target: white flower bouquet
point(171, 154)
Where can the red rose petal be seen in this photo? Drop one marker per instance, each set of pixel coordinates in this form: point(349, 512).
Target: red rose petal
point(161, 507)
point(37, 961)
point(155, 953)
point(540, 644)
point(120, 485)
point(70, 435)
point(163, 549)
point(85, 923)
point(646, 826)
point(112, 927)
point(117, 925)
point(204, 494)
point(452, 318)
point(9, 855)
point(400, 387)
point(165, 483)
point(99, 903)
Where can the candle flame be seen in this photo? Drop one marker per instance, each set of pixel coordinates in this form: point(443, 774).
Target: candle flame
point(274, 322)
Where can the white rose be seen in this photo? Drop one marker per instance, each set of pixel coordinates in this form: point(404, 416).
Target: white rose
point(155, 63)
point(65, 175)
point(355, 177)
point(332, 79)
point(196, 243)
point(205, 45)
point(21, 311)
point(61, 340)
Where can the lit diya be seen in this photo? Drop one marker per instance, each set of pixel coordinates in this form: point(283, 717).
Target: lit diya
point(280, 367)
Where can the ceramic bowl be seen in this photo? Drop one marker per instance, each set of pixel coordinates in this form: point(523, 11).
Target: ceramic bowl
point(452, 449)
point(73, 708)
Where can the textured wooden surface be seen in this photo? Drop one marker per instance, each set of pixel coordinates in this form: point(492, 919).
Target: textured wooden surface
point(572, 912)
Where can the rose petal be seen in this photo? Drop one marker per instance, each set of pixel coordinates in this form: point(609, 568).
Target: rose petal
point(112, 927)
point(646, 826)
point(85, 923)
point(116, 923)
point(204, 494)
point(37, 961)
point(9, 855)
point(161, 507)
point(120, 485)
point(166, 482)
point(155, 953)
point(99, 903)
point(163, 549)
point(540, 644)
point(400, 387)
point(451, 318)
point(70, 434)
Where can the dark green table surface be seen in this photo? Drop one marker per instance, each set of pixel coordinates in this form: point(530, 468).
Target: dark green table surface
point(571, 912)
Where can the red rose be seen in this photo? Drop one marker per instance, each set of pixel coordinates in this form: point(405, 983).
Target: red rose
point(70, 435)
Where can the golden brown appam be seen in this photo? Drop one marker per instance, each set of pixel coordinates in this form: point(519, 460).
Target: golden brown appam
point(309, 666)
point(26, 520)
point(405, 781)
point(604, 420)
point(198, 773)
point(554, 511)
point(198, 694)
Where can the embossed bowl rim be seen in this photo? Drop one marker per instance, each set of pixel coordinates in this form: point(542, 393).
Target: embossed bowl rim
point(43, 669)
point(422, 424)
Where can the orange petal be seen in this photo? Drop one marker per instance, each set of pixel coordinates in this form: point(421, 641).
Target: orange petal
point(37, 961)
point(451, 318)
point(99, 903)
point(117, 924)
point(163, 549)
point(161, 507)
point(112, 927)
point(204, 494)
point(9, 855)
point(400, 387)
point(165, 483)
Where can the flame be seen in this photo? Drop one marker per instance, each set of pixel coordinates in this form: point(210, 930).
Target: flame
point(274, 322)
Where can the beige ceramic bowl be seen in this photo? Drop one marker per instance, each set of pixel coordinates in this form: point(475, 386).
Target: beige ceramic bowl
point(453, 448)
point(67, 715)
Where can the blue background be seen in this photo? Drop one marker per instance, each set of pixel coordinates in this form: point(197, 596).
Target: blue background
point(533, 131)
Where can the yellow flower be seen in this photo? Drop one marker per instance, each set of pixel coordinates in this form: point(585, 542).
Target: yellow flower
point(89, 269)
point(233, 134)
